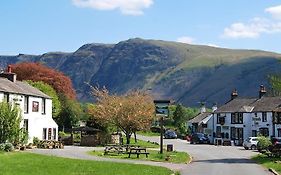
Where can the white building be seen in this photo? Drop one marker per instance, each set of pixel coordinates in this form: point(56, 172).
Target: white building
point(35, 106)
point(241, 118)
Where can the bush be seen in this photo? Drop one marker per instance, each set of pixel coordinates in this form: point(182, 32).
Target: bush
point(2, 147)
point(36, 141)
point(263, 143)
point(8, 147)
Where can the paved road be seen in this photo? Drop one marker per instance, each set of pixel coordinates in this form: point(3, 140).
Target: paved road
point(77, 152)
point(215, 160)
point(207, 159)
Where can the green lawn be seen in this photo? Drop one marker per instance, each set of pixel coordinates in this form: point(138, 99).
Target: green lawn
point(19, 163)
point(268, 162)
point(142, 143)
point(175, 157)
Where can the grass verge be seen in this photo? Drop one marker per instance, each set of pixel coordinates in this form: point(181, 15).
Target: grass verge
point(268, 162)
point(148, 133)
point(143, 143)
point(33, 164)
point(171, 157)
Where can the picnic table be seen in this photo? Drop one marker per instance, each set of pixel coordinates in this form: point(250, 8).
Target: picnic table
point(113, 148)
point(138, 151)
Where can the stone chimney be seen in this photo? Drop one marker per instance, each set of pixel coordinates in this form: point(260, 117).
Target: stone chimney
point(262, 91)
point(234, 94)
point(202, 107)
point(9, 75)
point(214, 107)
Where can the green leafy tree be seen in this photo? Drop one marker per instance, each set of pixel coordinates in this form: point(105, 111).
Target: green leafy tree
point(179, 116)
point(275, 82)
point(10, 118)
point(70, 114)
point(47, 89)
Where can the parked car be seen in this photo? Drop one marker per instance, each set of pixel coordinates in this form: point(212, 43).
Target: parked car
point(170, 134)
point(276, 141)
point(199, 138)
point(250, 142)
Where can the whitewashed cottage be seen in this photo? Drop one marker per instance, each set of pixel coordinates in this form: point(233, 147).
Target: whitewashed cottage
point(35, 106)
point(241, 118)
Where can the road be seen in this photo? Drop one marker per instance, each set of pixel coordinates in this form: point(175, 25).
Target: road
point(215, 160)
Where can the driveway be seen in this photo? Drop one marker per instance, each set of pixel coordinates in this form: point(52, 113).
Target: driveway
point(215, 160)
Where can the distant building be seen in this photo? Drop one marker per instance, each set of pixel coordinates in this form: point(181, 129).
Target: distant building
point(203, 122)
point(36, 107)
point(241, 118)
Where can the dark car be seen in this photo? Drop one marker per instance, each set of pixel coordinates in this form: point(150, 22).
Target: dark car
point(199, 138)
point(170, 134)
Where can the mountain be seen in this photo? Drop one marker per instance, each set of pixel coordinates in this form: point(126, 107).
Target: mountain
point(182, 72)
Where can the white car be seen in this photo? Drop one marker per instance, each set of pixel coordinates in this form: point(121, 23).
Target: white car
point(250, 142)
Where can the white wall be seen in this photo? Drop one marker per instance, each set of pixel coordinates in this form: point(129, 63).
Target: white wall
point(36, 120)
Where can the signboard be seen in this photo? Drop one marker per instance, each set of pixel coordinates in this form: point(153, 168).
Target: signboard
point(161, 107)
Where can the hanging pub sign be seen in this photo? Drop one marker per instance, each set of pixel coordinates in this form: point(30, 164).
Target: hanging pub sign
point(162, 107)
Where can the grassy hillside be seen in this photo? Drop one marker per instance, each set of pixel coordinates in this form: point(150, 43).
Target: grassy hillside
point(183, 72)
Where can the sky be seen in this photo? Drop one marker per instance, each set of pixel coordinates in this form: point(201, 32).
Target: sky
point(40, 26)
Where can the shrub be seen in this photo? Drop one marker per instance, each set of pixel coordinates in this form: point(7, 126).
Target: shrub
point(9, 147)
point(2, 147)
point(36, 141)
point(263, 143)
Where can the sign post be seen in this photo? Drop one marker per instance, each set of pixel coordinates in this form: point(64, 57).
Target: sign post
point(162, 110)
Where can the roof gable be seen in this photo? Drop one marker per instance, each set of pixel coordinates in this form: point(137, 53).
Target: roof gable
point(20, 87)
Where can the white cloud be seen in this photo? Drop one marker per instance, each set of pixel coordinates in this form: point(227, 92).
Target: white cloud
point(186, 39)
point(253, 29)
point(127, 7)
point(274, 11)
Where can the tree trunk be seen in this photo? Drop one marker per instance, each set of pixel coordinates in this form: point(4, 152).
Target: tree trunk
point(135, 137)
point(128, 136)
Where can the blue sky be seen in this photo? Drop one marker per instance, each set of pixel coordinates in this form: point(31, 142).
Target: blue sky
point(39, 26)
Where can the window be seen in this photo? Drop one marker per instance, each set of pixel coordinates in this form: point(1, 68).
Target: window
point(279, 132)
point(237, 118)
point(221, 120)
point(264, 117)
point(44, 136)
point(277, 118)
point(35, 106)
point(254, 133)
point(264, 132)
point(236, 133)
point(49, 133)
point(26, 100)
point(204, 125)
point(43, 106)
point(55, 133)
point(6, 97)
point(218, 131)
point(25, 125)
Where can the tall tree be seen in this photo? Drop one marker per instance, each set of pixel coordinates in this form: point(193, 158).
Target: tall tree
point(47, 89)
point(38, 72)
point(70, 114)
point(9, 123)
point(179, 116)
point(275, 82)
point(130, 112)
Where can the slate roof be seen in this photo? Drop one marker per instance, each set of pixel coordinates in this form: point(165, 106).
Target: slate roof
point(20, 87)
point(264, 104)
point(199, 117)
point(237, 105)
point(267, 104)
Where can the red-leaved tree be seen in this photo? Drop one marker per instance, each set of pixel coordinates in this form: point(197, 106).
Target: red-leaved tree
point(38, 72)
